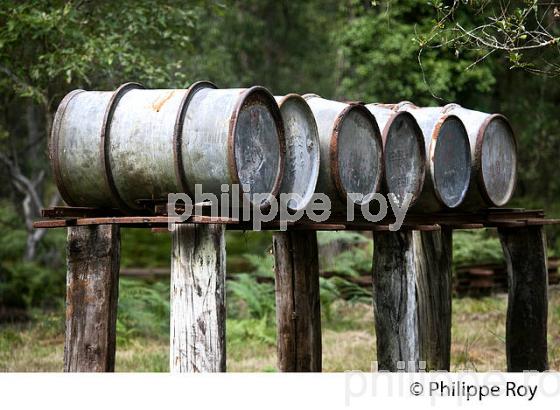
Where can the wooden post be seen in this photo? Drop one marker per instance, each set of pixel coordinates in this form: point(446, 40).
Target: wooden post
point(526, 326)
point(412, 300)
point(434, 252)
point(198, 310)
point(298, 311)
point(92, 286)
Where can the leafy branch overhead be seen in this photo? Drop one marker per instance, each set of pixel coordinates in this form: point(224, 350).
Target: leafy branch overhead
point(526, 32)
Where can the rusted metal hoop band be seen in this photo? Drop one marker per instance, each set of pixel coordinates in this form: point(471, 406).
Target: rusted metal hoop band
point(54, 146)
point(308, 96)
point(268, 98)
point(178, 133)
point(104, 147)
point(333, 149)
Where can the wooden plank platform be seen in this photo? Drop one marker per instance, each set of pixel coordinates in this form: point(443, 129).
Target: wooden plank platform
point(59, 217)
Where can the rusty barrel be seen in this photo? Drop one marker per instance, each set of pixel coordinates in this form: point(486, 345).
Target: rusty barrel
point(403, 150)
point(448, 156)
point(351, 151)
point(494, 157)
point(114, 149)
point(302, 150)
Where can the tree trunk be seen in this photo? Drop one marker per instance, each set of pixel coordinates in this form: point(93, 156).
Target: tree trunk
point(526, 326)
point(298, 311)
point(91, 298)
point(198, 309)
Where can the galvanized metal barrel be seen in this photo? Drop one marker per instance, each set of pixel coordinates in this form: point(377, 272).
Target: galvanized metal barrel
point(404, 152)
point(233, 136)
point(448, 158)
point(113, 149)
point(351, 151)
point(302, 150)
point(494, 157)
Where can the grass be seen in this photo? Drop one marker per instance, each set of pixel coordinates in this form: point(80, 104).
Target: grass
point(478, 335)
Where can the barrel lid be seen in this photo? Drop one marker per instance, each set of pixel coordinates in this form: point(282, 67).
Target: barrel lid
point(247, 150)
point(178, 132)
point(352, 156)
point(496, 160)
point(450, 160)
point(405, 153)
point(302, 150)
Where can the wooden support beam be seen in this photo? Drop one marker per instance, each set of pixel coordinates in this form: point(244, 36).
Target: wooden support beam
point(298, 311)
point(198, 309)
point(412, 299)
point(92, 284)
point(526, 327)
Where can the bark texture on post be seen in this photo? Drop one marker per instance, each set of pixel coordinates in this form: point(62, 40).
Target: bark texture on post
point(92, 285)
point(433, 253)
point(198, 310)
point(526, 327)
point(412, 300)
point(395, 307)
point(298, 311)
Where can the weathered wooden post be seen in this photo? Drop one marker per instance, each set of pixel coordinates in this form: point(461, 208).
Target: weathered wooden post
point(92, 286)
point(298, 311)
point(526, 327)
point(412, 299)
point(198, 309)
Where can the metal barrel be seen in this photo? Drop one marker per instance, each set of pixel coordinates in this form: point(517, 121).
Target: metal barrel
point(80, 145)
point(494, 157)
point(448, 161)
point(403, 150)
point(301, 169)
point(351, 151)
point(114, 149)
point(233, 136)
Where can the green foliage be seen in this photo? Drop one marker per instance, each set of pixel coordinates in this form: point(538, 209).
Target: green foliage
point(282, 45)
point(242, 331)
point(28, 284)
point(143, 248)
point(247, 298)
point(519, 32)
point(476, 246)
point(382, 60)
point(143, 310)
point(71, 43)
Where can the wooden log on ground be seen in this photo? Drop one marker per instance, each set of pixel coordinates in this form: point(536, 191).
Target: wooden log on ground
point(92, 284)
point(198, 310)
point(298, 312)
point(412, 299)
point(526, 326)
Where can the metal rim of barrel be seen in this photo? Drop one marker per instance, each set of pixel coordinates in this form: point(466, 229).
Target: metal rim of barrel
point(487, 197)
point(434, 137)
point(338, 122)
point(418, 136)
point(482, 183)
point(250, 96)
point(314, 174)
